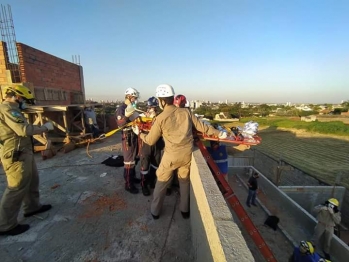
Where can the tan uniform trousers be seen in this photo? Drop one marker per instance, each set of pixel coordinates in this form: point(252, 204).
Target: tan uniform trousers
point(22, 186)
point(321, 230)
point(164, 173)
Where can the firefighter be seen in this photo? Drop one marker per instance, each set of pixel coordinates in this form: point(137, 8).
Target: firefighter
point(180, 101)
point(125, 114)
point(17, 157)
point(328, 216)
point(305, 252)
point(219, 155)
point(175, 126)
point(150, 155)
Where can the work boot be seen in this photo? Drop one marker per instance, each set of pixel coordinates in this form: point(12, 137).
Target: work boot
point(155, 217)
point(132, 189)
point(136, 180)
point(145, 190)
point(19, 229)
point(42, 209)
point(254, 204)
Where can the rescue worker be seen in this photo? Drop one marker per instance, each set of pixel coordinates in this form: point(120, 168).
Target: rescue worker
point(219, 154)
point(328, 216)
point(181, 102)
point(175, 126)
point(150, 156)
point(305, 252)
point(125, 114)
point(17, 157)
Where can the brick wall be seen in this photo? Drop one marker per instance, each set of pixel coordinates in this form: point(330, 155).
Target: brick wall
point(55, 81)
point(3, 57)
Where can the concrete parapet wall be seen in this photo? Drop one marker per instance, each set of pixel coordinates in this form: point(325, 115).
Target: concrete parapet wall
point(215, 235)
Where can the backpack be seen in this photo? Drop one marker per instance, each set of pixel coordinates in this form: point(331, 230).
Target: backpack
point(272, 221)
point(115, 161)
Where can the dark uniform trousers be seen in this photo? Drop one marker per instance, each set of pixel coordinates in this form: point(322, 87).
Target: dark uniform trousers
point(129, 149)
point(150, 157)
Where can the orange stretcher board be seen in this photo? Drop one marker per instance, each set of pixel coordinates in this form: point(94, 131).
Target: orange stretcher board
point(255, 140)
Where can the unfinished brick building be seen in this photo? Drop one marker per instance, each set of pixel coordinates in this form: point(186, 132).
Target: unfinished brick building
point(53, 80)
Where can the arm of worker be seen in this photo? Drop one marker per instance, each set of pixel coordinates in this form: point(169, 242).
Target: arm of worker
point(318, 208)
point(154, 134)
point(204, 128)
point(17, 122)
point(336, 217)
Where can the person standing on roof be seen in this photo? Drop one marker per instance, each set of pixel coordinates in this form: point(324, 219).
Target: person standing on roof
point(91, 121)
point(328, 216)
point(17, 157)
point(180, 101)
point(125, 114)
point(175, 126)
point(150, 156)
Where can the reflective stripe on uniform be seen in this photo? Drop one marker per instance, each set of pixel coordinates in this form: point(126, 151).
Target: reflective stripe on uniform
point(221, 161)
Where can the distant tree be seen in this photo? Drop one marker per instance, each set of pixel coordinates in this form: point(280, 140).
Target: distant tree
point(345, 105)
point(264, 109)
point(337, 111)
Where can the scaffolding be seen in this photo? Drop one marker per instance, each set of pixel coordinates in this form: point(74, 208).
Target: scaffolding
point(8, 37)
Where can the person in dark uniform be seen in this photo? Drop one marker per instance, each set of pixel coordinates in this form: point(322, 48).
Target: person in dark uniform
point(125, 114)
point(150, 156)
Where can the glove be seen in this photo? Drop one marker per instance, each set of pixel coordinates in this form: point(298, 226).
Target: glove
point(134, 116)
point(49, 126)
point(222, 135)
point(129, 110)
point(135, 129)
point(330, 210)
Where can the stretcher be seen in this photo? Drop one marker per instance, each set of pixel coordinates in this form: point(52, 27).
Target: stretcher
point(235, 140)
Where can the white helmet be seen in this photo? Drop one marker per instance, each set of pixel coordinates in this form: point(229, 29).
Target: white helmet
point(164, 90)
point(132, 92)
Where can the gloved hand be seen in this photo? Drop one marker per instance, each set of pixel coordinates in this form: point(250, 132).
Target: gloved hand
point(222, 135)
point(135, 129)
point(129, 110)
point(330, 210)
point(49, 126)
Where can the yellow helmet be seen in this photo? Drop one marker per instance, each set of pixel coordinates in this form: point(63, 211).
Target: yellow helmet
point(306, 247)
point(22, 91)
point(334, 201)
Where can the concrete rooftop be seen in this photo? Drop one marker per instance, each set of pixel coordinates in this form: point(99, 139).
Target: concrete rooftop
point(93, 217)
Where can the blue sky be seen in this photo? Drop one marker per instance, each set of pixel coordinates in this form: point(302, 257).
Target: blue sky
point(239, 50)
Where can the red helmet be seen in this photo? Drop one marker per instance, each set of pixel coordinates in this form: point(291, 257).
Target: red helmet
point(180, 101)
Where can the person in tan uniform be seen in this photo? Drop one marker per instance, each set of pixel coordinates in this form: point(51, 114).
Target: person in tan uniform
point(328, 216)
point(16, 152)
point(175, 126)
